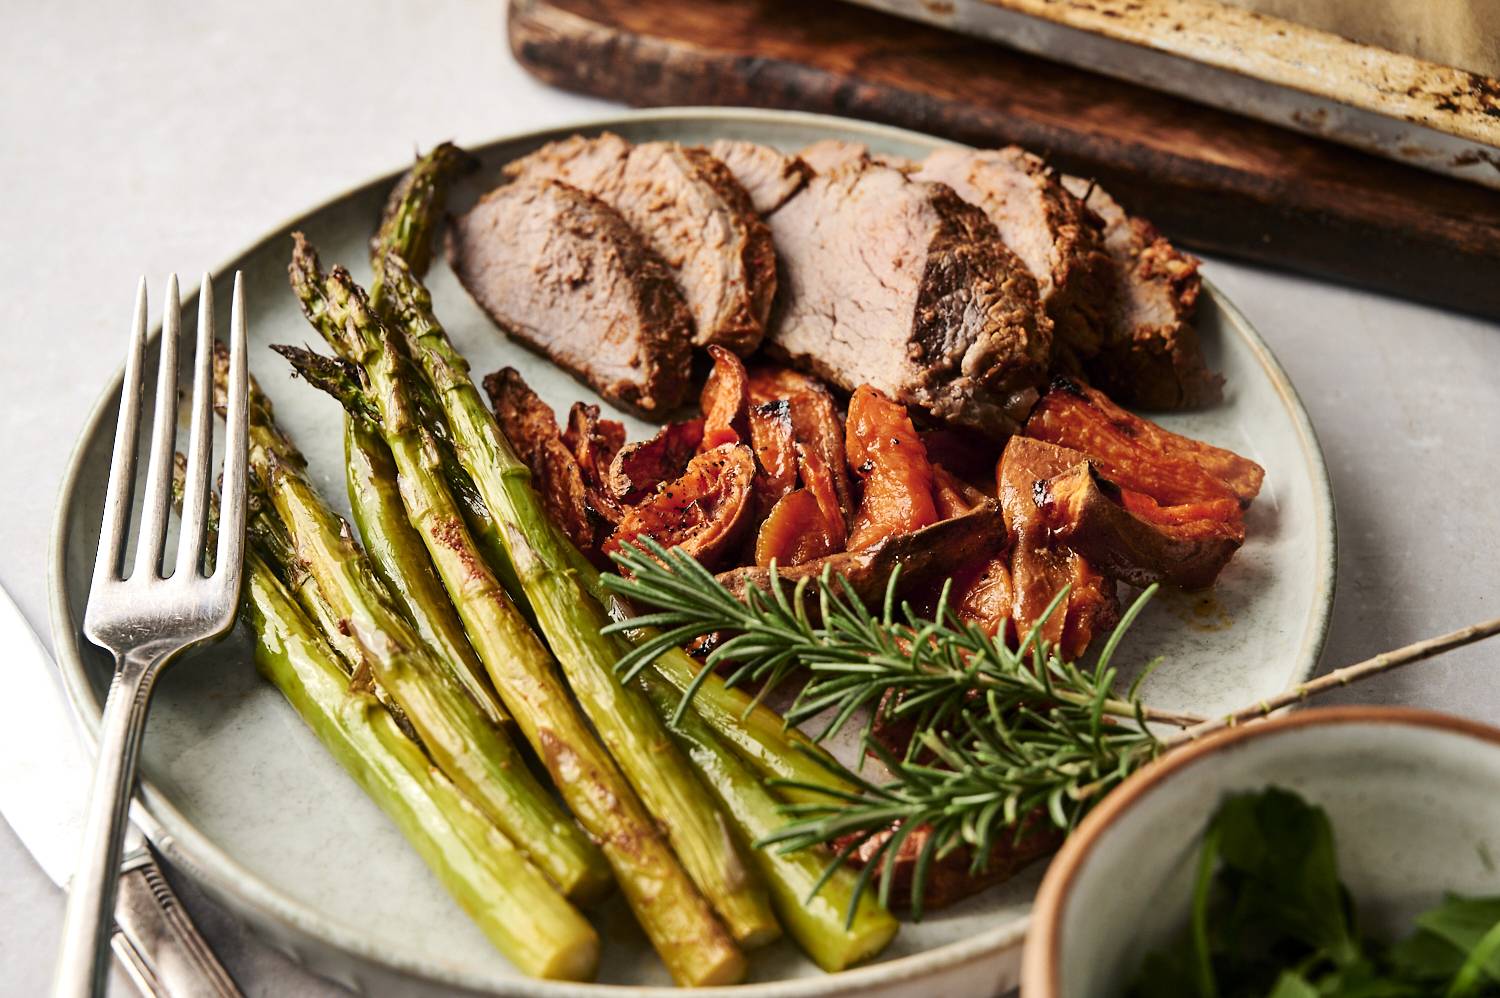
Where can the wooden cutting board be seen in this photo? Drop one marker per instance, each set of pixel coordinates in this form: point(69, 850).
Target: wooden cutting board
point(1212, 180)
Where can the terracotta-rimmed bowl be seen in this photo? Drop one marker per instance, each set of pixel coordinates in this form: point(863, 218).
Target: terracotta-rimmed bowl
point(1414, 798)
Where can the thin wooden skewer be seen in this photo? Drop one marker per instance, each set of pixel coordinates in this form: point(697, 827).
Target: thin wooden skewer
point(1383, 662)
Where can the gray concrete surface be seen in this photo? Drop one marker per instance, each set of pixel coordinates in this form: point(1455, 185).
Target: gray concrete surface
point(143, 138)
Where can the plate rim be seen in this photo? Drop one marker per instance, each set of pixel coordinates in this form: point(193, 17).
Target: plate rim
point(189, 849)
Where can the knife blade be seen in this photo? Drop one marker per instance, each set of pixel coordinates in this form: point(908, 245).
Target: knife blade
point(44, 781)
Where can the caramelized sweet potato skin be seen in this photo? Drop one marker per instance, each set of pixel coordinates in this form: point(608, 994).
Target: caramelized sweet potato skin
point(952, 495)
point(887, 456)
point(823, 482)
point(637, 469)
point(1039, 567)
point(704, 512)
point(531, 427)
point(794, 532)
point(1185, 546)
point(594, 442)
point(724, 401)
point(967, 454)
point(1136, 454)
point(926, 557)
point(816, 427)
point(771, 438)
point(982, 595)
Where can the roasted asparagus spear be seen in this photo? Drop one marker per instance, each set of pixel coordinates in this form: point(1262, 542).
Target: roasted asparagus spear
point(401, 561)
point(573, 622)
point(465, 744)
point(509, 899)
point(814, 910)
point(481, 868)
point(674, 915)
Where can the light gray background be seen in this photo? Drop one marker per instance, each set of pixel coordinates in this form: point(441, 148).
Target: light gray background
point(145, 138)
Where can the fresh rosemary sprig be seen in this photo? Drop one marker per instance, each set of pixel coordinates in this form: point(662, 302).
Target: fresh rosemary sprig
point(1004, 738)
point(851, 657)
point(1037, 739)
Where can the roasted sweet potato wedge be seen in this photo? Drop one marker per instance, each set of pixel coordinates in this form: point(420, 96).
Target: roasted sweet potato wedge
point(982, 595)
point(724, 401)
point(1130, 538)
point(795, 532)
point(1136, 454)
point(775, 448)
point(822, 480)
point(637, 469)
point(926, 557)
point(531, 427)
point(816, 427)
point(1039, 566)
point(594, 443)
point(891, 463)
point(968, 454)
point(704, 512)
point(952, 495)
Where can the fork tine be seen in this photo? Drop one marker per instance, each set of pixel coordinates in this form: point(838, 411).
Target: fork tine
point(148, 550)
point(121, 488)
point(200, 443)
point(236, 437)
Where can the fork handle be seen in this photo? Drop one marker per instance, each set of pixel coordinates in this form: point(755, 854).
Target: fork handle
point(91, 898)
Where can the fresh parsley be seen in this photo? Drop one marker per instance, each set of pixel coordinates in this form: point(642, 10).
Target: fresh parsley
point(1271, 919)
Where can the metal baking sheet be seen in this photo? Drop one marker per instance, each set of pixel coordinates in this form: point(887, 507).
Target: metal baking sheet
point(1383, 102)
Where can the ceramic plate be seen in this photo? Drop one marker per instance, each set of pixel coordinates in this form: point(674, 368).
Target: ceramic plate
point(239, 794)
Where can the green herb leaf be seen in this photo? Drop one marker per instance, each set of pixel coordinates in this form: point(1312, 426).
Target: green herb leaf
point(1457, 940)
point(1281, 871)
point(1294, 985)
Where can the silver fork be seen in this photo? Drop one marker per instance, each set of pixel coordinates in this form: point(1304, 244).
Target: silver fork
point(147, 618)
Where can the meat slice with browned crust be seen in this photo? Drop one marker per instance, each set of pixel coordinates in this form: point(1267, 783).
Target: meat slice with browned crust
point(1060, 241)
point(689, 208)
point(828, 155)
point(768, 175)
point(560, 270)
point(1151, 356)
point(903, 285)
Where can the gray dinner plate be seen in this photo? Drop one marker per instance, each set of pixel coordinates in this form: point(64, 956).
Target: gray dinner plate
point(238, 793)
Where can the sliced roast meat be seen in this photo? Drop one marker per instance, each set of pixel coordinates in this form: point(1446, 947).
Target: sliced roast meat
point(768, 175)
point(1151, 356)
point(692, 212)
point(903, 285)
point(828, 155)
point(1060, 241)
point(561, 271)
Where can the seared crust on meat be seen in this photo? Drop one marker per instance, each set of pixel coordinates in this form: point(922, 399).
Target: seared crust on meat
point(1054, 234)
point(768, 175)
point(689, 209)
point(561, 271)
point(1151, 357)
point(902, 285)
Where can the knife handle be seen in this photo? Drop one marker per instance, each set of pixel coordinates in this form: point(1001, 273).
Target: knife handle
point(157, 943)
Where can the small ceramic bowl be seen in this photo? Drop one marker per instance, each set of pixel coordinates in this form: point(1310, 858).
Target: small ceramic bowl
point(1414, 798)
